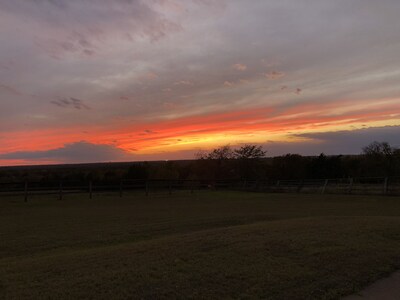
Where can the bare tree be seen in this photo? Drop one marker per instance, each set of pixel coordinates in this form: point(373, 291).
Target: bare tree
point(221, 153)
point(250, 152)
point(379, 149)
point(380, 159)
point(249, 161)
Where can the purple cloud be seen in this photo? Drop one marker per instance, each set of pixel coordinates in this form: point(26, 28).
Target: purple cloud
point(73, 153)
point(73, 27)
point(338, 142)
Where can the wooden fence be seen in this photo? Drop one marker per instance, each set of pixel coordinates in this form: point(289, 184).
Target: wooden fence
point(367, 186)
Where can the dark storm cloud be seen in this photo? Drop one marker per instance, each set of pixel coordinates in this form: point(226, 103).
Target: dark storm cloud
point(73, 153)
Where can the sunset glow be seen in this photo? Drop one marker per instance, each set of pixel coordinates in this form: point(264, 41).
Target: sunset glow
point(141, 80)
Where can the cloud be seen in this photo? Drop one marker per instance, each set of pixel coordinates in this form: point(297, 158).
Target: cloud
point(274, 75)
point(330, 143)
point(148, 76)
point(334, 143)
point(362, 136)
point(183, 82)
point(10, 90)
point(240, 67)
point(149, 131)
point(82, 27)
point(126, 55)
point(72, 153)
point(70, 103)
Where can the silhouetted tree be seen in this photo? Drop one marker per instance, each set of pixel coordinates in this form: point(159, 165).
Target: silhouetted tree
point(325, 167)
point(249, 152)
point(289, 166)
point(378, 149)
point(249, 161)
point(379, 159)
point(165, 170)
point(221, 153)
point(217, 164)
point(138, 171)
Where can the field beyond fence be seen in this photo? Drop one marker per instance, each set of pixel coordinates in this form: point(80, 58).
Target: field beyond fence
point(359, 186)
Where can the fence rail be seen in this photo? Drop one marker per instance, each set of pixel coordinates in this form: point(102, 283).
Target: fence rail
point(373, 186)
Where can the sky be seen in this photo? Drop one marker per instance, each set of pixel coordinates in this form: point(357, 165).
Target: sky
point(128, 80)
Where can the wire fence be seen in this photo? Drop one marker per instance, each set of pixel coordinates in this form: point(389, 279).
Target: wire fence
point(365, 186)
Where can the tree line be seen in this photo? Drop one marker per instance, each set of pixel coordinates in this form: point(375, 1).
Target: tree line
point(248, 162)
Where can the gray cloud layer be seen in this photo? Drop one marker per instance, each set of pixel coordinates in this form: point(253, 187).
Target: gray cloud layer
point(340, 142)
point(73, 153)
point(106, 50)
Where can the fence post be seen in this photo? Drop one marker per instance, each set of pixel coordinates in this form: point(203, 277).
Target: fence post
point(350, 185)
point(147, 188)
point(385, 186)
point(90, 189)
point(60, 195)
point(244, 184)
point(120, 189)
point(26, 192)
point(325, 185)
point(301, 183)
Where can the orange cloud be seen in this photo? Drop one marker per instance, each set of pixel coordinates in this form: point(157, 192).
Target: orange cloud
point(251, 125)
point(201, 129)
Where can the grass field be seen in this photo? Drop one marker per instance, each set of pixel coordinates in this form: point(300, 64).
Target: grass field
point(208, 245)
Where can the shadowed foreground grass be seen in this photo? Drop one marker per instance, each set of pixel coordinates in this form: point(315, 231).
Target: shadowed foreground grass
point(207, 245)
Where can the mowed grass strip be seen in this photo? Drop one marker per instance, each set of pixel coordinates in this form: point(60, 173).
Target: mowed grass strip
point(220, 245)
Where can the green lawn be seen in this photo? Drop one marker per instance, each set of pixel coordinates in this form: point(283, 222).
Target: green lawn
point(208, 245)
